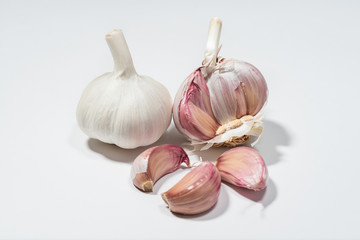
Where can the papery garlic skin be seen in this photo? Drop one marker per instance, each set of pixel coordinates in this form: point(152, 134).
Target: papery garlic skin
point(156, 162)
point(123, 107)
point(236, 89)
point(193, 115)
point(243, 167)
point(195, 193)
point(218, 98)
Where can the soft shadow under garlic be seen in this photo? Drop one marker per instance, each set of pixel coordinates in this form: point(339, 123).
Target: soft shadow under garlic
point(265, 197)
point(273, 136)
point(159, 183)
point(210, 154)
point(115, 153)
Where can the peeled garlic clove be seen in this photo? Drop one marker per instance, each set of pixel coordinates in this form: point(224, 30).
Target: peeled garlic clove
point(243, 167)
point(123, 107)
point(231, 94)
point(154, 163)
point(195, 193)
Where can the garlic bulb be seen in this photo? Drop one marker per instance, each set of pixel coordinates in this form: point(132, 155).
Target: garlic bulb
point(219, 103)
point(243, 167)
point(195, 193)
point(156, 162)
point(123, 107)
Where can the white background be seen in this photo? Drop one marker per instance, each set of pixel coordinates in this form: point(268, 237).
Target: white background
point(57, 183)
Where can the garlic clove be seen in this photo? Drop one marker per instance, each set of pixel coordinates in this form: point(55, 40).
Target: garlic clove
point(154, 163)
point(236, 89)
point(253, 85)
point(195, 193)
point(243, 167)
point(193, 110)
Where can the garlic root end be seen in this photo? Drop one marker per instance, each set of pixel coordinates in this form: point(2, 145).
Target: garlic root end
point(143, 182)
point(165, 199)
point(147, 186)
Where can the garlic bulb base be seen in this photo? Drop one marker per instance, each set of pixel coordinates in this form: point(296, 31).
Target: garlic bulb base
point(234, 141)
point(250, 126)
point(233, 124)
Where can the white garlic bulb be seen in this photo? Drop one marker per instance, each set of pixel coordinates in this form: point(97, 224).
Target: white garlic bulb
point(122, 107)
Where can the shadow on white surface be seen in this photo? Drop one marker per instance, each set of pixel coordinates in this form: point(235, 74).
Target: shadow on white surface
point(264, 197)
point(210, 154)
point(183, 169)
point(115, 153)
point(274, 135)
point(217, 210)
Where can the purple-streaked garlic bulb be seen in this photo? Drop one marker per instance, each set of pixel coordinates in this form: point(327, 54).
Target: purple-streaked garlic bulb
point(195, 193)
point(219, 103)
point(156, 162)
point(243, 167)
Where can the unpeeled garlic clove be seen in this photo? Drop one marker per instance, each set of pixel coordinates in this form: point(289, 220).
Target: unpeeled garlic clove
point(192, 109)
point(195, 193)
point(236, 88)
point(154, 163)
point(243, 167)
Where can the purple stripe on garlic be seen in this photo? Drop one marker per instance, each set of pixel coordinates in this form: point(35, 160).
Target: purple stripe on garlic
point(243, 167)
point(195, 193)
point(156, 162)
point(192, 112)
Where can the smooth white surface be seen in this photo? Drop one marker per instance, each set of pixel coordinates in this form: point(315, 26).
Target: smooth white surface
point(55, 183)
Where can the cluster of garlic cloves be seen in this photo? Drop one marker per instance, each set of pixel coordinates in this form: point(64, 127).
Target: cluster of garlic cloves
point(243, 167)
point(219, 103)
point(123, 107)
point(156, 162)
point(195, 193)
point(199, 189)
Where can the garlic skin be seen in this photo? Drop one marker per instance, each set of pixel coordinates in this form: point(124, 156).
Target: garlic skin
point(219, 103)
point(243, 167)
point(196, 192)
point(123, 107)
point(156, 162)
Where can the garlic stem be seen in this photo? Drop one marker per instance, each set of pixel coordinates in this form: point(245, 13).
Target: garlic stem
point(123, 64)
point(212, 44)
